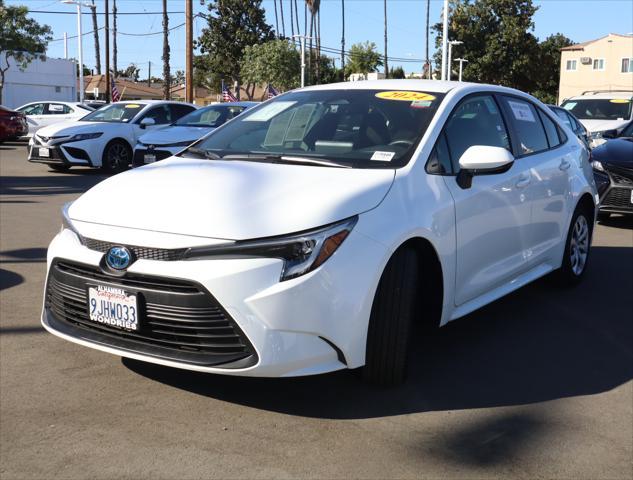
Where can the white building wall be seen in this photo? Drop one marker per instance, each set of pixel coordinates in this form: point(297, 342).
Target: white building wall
point(52, 79)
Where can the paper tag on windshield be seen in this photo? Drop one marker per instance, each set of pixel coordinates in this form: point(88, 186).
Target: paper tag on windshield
point(522, 111)
point(267, 112)
point(382, 156)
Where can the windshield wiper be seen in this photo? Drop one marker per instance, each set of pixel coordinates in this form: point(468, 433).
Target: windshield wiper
point(201, 152)
point(288, 159)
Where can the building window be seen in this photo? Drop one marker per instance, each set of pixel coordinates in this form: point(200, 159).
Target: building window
point(571, 65)
point(598, 63)
point(627, 65)
point(58, 89)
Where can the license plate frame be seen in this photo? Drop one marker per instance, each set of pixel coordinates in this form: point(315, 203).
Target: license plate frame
point(149, 158)
point(119, 308)
point(44, 152)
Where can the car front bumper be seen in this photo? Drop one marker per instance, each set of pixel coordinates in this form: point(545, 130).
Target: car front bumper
point(71, 153)
point(308, 325)
point(615, 190)
point(159, 153)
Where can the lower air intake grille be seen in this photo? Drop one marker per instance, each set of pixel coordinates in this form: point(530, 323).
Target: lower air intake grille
point(618, 197)
point(178, 320)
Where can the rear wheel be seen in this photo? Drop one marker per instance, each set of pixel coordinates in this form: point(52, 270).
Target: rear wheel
point(577, 248)
point(117, 156)
point(390, 321)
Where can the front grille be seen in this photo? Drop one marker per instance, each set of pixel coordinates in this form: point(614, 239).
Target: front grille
point(139, 155)
point(146, 253)
point(618, 197)
point(55, 155)
point(178, 319)
point(620, 180)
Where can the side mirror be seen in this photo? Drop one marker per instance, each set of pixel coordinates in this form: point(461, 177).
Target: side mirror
point(146, 122)
point(482, 160)
point(610, 134)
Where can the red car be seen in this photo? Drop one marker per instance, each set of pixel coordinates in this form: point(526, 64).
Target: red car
point(12, 124)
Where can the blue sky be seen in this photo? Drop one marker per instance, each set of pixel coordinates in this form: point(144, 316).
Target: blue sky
point(579, 20)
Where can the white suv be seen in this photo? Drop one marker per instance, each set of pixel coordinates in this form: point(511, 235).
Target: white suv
point(600, 112)
point(309, 233)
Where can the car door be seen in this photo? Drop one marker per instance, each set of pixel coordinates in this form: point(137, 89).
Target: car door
point(34, 116)
point(55, 113)
point(538, 144)
point(493, 214)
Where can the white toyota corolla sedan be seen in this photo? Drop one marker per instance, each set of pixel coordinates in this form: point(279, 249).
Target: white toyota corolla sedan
point(310, 233)
point(104, 138)
point(43, 114)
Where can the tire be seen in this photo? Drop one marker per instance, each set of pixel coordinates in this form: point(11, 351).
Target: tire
point(577, 248)
point(59, 168)
point(603, 216)
point(117, 156)
point(390, 321)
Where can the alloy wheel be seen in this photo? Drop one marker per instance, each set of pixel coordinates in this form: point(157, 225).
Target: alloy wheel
point(579, 245)
point(118, 156)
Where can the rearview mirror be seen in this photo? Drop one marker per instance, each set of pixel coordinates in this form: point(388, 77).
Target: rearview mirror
point(482, 160)
point(147, 121)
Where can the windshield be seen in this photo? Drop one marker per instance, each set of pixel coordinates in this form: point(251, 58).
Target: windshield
point(600, 109)
point(115, 113)
point(359, 128)
point(210, 117)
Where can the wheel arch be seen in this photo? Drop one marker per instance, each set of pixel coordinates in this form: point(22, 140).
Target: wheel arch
point(123, 140)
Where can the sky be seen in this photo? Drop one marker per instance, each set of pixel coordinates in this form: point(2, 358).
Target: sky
point(580, 20)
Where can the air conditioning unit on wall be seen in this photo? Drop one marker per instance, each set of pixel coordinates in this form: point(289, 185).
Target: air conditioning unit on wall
point(585, 60)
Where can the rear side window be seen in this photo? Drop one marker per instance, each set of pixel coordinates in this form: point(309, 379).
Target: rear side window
point(178, 111)
point(550, 130)
point(58, 109)
point(529, 132)
point(476, 121)
point(567, 120)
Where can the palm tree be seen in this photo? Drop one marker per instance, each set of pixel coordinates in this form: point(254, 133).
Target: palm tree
point(343, 38)
point(95, 28)
point(166, 73)
point(386, 61)
point(114, 50)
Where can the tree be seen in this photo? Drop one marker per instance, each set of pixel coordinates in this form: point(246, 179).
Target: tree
point(95, 29)
point(547, 75)
point(363, 58)
point(22, 39)
point(178, 78)
point(130, 72)
point(114, 48)
point(232, 26)
point(276, 62)
point(498, 42)
point(397, 72)
point(165, 57)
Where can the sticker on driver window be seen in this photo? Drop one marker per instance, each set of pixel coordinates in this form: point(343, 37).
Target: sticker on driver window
point(421, 103)
point(267, 112)
point(522, 111)
point(620, 100)
point(404, 96)
point(382, 156)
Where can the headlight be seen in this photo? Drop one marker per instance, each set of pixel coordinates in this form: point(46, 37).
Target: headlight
point(597, 166)
point(84, 136)
point(301, 253)
point(67, 223)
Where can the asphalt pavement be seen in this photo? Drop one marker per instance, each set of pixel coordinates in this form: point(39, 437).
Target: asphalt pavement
point(536, 385)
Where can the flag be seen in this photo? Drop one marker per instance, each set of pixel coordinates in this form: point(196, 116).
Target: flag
point(115, 95)
point(227, 96)
point(271, 91)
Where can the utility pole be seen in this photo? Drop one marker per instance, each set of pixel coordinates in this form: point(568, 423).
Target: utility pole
point(302, 39)
point(107, 52)
point(95, 29)
point(114, 52)
point(450, 54)
point(79, 51)
point(343, 39)
point(461, 62)
point(65, 45)
point(149, 74)
point(428, 62)
point(386, 59)
point(189, 52)
point(166, 73)
point(444, 40)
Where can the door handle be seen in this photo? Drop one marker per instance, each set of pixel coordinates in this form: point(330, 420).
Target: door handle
point(524, 181)
point(564, 165)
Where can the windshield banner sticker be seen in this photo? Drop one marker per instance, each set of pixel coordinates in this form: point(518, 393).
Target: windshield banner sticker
point(405, 96)
point(268, 111)
point(619, 100)
point(382, 156)
point(522, 111)
point(132, 105)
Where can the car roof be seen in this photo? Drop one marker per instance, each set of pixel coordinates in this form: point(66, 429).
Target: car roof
point(437, 86)
point(231, 104)
point(153, 102)
point(602, 95)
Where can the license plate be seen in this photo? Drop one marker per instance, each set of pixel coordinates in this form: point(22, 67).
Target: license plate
point(113, 307)
point(631, 196)
point(44, 152)
point(150, 158)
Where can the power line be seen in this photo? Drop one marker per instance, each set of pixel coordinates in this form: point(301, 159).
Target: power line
point(101, 13)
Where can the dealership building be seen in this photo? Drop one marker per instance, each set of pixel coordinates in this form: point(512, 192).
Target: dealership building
point(603, 64)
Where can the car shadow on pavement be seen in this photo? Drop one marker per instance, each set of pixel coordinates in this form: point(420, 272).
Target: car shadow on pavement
point(56, 184)
point(9, 279)
point(23, 255)
point(618, 221)
point(539, 343)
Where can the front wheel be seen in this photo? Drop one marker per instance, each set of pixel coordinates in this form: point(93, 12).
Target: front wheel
point(117, 156)
point(577, 247)
point(390, 320)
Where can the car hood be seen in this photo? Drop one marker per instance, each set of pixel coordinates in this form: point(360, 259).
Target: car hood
point(618, 152)
point(72, 128)
point(174, 134)
point(232, 200)
point(602, 125)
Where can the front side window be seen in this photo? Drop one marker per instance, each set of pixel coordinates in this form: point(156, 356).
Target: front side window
point(598, 64)
point(114, 113)
point(160, 114)
point(627, 65)
point(530, 135)
point(34, 109)
point(476, 121)
point(628, 131)
point(571, 65)
point(357, 127)
point(178, 111)
point(599, 109)
point(210, 116)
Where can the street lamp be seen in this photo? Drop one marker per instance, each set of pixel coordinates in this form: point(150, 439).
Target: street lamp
point(79, 52)
point(450, 51)
point(302, 39)
point(461, 63)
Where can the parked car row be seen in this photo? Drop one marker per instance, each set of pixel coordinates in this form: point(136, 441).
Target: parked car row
point(12, 124)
